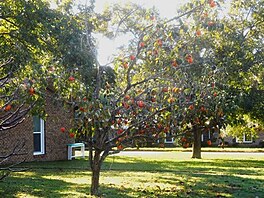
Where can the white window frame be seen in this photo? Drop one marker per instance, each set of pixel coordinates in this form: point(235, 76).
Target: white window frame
point(244, 139)
point(247, 141)
point(170, 141)
point(42, 138)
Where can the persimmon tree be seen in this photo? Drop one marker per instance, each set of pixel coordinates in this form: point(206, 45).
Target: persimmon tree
point(161, 82)
point(199, 80)
point(36, 42)
point(13, 111)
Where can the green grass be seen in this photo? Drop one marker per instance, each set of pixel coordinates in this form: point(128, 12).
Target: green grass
point(173, 174)
point(205, 149)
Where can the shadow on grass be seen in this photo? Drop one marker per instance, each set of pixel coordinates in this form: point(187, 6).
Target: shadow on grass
point(191, 178)
point(241, 167)
point(33, 186)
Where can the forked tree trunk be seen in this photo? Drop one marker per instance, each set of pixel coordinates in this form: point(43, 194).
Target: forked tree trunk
point(197, 144)
point(96, 168)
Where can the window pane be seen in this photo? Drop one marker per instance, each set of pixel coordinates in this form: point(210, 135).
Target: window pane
point(248, 137)
point(37, 143)
point(169, 139)
point(36, 124)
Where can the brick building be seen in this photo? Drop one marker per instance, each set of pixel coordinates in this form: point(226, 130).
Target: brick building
point(42, 139)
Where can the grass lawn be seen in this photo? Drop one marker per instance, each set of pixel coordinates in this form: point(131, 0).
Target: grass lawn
point(172, 174)
point(204, 149)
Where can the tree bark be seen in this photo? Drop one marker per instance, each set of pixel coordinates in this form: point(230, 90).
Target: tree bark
point(197, 144)
point(96, 168)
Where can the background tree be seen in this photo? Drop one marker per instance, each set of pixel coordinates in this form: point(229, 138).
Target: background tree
point(37, 43)
point(238, 53)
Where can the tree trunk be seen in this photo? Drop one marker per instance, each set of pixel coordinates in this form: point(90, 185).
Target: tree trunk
point(197, 144)
point(96, 168)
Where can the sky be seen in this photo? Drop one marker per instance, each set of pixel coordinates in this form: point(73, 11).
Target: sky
point(106, 47)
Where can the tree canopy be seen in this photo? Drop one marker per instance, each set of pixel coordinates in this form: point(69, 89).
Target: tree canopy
point(37, 44)
point(177, 77)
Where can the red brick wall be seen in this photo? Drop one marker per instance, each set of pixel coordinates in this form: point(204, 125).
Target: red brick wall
point(55, 141)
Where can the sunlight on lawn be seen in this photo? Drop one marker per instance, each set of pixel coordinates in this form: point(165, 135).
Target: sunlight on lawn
point(142, 176)
point(71, 178)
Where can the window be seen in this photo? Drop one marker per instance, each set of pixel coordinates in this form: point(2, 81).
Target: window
point(247, 138)
point(169, 138)
point(38, 135)
point(205, 136)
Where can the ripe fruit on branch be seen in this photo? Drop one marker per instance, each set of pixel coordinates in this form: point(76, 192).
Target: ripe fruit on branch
point(62, 129)
point(71, 135)
point(215, 94)
point(127, 97)
point(132, 57)
point(191, 107)
point(159, 42)
point(171, 100)
point(184, 139)
point(125, 105)
point(167, 129)
point(202, 109)
point(119, 131)
point(82, 109)
point(174, 63)
point(189, 59)
point(120, 147)
point(31, 91)
point(142, 44)
point(198, 33)
point(8, 107)
point(165, 89)
point(205, 15)
point(141, 131)
point(140, 104)
point(71, 79)
point(212, 3)
point(125, 65)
